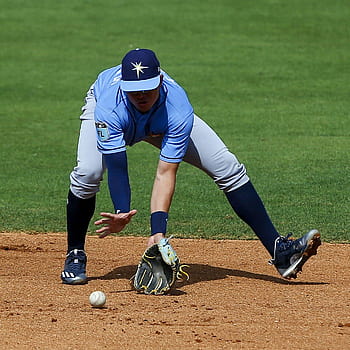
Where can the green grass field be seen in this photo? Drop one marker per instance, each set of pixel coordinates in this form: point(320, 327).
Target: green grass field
point(271, 76)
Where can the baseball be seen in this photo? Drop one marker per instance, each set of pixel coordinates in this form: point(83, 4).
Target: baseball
point(97, 299)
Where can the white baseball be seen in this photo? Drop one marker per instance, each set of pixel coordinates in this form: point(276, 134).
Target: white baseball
point(97, 299)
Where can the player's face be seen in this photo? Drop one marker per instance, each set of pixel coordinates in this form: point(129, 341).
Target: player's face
point(144, 100)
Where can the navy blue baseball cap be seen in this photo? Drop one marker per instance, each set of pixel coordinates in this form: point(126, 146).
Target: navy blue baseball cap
point(140, 71)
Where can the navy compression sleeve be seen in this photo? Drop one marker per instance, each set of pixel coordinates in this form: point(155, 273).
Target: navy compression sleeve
point(118, 181)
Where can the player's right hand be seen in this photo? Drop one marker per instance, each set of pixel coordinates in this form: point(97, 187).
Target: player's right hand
point(113, 223)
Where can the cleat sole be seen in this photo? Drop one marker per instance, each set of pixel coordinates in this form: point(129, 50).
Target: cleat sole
point(311, 250)
point(75, 281)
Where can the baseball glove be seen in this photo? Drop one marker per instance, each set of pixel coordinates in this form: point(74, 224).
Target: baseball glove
point(158, 269)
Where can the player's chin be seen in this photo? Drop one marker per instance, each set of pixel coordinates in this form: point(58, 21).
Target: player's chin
point(144, 107)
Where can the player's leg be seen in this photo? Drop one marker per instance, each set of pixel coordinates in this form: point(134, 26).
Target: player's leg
point(85, 181)
point(207, 152)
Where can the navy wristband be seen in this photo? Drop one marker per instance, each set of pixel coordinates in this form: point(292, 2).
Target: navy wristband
point(159, 221)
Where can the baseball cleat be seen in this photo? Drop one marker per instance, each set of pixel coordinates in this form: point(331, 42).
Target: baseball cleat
point(291, 254)
point(75, 268)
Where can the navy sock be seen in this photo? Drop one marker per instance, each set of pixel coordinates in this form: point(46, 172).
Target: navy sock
point(79, 214)
point(247, 204)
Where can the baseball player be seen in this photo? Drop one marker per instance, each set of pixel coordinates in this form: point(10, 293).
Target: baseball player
point(137, 101)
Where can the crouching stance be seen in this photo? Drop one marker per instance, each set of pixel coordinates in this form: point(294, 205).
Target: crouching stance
point(137, 101)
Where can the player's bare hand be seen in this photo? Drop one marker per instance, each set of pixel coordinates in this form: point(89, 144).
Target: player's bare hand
point(155, 239)
point(113, 223)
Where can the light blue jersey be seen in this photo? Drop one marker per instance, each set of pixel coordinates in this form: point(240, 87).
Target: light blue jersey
point(119, 124)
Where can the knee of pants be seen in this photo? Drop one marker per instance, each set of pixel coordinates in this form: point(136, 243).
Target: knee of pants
point(229, 174)
point(85, 183)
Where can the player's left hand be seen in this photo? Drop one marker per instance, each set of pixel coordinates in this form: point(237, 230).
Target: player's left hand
point(114, 223)
point(155, 239)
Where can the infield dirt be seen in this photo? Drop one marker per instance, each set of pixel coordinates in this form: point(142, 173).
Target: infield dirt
point(233, 300)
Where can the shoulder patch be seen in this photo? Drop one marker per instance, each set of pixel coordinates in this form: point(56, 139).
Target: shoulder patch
point(102, 131)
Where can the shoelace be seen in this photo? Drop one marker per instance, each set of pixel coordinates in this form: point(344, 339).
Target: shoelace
point(284, 243)
point(76, 263)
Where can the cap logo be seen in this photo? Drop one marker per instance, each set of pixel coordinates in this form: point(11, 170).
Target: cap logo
point(139, 68)
point(140, 71)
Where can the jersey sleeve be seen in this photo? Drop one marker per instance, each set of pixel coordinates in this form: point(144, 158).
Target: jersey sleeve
point(109, 132)
point(176, 140)
point(180, 116)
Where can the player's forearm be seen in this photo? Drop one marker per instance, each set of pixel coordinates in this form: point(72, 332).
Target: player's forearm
point(162, 194)
point(118, 181)
point(163, 190)
point(163, 187)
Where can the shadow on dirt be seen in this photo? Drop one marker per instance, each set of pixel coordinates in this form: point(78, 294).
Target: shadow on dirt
point(200, 273)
